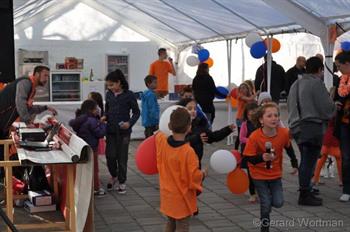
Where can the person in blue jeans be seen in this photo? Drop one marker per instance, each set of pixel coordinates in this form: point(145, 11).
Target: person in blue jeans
point(309, 109)
point(150, 106)
point(342, 128)
point(264, 154)
point(121, 113)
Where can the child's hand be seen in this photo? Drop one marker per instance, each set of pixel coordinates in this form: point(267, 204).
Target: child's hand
point(125, 125)
point(294, 172)
point(268, 157)
point(205, 171)
point(232, 127)
point(204, 137)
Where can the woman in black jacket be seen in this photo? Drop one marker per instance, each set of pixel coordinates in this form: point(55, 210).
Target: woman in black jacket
point(204, 91)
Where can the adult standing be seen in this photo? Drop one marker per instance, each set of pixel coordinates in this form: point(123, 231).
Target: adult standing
point(204, 90)
point(342, 128)
point(309, 108)
point(295, 73)
point(161, 69)
point(277, 79)
point(16, 99)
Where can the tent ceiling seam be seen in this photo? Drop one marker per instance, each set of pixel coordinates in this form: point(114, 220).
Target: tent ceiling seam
point(158, 20)
point(238, 15)
point(192, 18)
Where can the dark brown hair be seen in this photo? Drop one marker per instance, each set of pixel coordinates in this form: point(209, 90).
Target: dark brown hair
point(180, 120)
point(202, 69)
point(149, 79)
point(40, 68)
point(248, 107)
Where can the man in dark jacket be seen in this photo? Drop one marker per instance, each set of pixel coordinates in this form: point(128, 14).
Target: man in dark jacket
point(294, 73)
point(277, 79)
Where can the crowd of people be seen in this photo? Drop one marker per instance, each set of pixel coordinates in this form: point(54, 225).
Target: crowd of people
point(318, 121)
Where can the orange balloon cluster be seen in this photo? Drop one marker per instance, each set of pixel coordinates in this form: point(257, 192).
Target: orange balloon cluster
point(210, 62)
point(275, 44)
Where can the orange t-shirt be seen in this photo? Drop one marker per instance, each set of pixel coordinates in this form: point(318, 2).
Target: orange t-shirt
point(161, 69)
point(179, 178)
point(240, 107)
point(256, 145)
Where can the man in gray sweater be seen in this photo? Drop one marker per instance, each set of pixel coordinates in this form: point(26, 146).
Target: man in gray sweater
point(309, 109)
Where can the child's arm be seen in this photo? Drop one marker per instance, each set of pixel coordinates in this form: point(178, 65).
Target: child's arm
point(215, 136)
point(98, 130)
point(153, 105)
point(196, 175)
point(74, 123)
point(135, 111)
point(293, 158)
point(243, 133)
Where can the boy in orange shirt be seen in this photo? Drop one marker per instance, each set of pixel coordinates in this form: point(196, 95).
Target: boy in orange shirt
point(161, 68)
point(264, 153)
point(180, 179)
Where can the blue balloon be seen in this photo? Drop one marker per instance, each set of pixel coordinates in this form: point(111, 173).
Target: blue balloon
point(221, 92)
point(345, 46)
point(258, 50)
point(203, 55)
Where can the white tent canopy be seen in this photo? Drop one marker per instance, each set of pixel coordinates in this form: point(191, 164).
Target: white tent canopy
point(180, 23)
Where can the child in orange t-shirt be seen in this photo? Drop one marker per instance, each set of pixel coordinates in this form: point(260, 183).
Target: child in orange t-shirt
point(245, 95)
point(264, 153)
point(180, 179)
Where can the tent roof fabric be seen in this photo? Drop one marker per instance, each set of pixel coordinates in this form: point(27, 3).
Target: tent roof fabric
point(184, 22)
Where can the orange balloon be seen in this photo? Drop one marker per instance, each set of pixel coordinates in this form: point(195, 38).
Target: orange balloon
point(210, 62)
point(237, 181)
point(234, 102)
point(276, 45)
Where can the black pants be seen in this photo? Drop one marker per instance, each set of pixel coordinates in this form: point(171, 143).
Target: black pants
point(117, 148)
point(149, 130)
point(309, 154)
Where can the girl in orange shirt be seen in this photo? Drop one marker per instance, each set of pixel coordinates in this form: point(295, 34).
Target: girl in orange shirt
point(264, 151)
point(245, 95)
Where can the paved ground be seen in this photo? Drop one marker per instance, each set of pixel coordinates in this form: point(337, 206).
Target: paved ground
point(219, 210)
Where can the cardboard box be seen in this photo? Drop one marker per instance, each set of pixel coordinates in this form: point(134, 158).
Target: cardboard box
point(37, 209)
point(40, 198)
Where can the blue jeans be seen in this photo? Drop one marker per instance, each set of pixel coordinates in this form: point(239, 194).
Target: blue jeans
point(345, 151)
point(270, 194)
point(309, 154)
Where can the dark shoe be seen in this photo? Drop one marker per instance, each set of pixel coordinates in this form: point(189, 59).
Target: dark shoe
point(307, 198)
point(315, 191)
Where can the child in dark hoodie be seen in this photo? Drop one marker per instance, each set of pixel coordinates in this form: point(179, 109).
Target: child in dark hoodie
point(90, 129)
point(200, 130)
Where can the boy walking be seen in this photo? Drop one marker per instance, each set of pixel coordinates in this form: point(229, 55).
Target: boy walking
point(150, 107)
point(180, 179)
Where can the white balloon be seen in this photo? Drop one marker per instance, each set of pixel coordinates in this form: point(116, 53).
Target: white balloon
point(223, 161)
point(165, 119)
point(252, 38)
point(192, 61)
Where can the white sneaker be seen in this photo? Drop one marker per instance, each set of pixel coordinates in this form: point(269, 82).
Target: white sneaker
point(344, 197)
point(100, 193)
point(122, 189)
